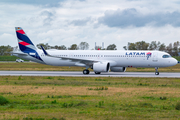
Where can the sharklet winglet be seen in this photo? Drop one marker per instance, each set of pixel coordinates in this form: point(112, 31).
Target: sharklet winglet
point(44, 51)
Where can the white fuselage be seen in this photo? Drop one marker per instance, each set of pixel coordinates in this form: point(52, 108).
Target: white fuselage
point(116, 58)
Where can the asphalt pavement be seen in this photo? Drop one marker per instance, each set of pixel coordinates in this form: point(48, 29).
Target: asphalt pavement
point(80, 74)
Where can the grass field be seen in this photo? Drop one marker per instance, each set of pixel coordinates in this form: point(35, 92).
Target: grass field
point(177, 58)
point(65, 98)
point(9, 58)
point(79, 98)
point(41, 67)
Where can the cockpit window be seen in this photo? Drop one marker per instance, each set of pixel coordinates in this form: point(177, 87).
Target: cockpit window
point(166, 56)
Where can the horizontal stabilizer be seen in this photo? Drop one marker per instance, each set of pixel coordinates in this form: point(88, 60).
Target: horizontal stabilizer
point(19, 53)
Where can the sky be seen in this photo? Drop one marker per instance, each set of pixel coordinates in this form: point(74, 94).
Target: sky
point(67, 22)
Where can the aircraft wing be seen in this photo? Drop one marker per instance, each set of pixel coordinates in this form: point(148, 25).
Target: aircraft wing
point(84, 61)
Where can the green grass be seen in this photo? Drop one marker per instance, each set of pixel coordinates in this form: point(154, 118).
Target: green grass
point(71, 98)
point(177, 58)
point(3, 100)
point(9, 58)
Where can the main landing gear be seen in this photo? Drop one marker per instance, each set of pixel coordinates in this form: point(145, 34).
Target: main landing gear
point(156, 73)
point(97, 72)
point(86, 71)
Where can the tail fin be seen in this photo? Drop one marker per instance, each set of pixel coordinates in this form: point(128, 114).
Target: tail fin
point(25, 44)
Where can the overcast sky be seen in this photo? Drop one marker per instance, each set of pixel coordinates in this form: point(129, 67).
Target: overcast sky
point(67, 22)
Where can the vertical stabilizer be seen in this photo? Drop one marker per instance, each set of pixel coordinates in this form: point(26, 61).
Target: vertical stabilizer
point(25, 44)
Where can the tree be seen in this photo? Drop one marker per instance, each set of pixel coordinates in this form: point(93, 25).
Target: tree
point(111, 47)
point(175, 48)
point(5, 50)
point(83, 46)
point(15, 48)
point(162, 47)
point(55, 47)
point(124, 47)
point(142, 45)
point(73, 47)
point(132, 46)
point(8, 50)
point(169, 49)
point(62, 47)
point(45, 46)
point(154, 46)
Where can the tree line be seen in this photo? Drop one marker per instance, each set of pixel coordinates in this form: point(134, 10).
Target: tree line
point(81, 46)
point(173, 48)
point(5, 50)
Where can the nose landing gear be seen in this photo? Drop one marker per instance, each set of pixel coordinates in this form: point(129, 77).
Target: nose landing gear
point(156, 73)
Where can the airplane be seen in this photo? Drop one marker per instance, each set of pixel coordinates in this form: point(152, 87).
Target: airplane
point(98, 60)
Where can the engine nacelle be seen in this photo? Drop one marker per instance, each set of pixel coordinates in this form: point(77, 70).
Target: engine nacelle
point(118, 69)
point(101, 67)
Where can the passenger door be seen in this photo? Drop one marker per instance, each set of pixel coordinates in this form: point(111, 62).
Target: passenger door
point(155, 57)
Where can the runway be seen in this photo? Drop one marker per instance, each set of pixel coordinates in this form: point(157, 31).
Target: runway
point(80, 74)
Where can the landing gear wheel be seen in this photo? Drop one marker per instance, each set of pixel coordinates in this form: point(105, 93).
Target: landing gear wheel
point(97, 72)
point(156, 73)
point(85, 72)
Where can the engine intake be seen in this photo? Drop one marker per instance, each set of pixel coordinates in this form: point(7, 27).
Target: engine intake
point(101, 67)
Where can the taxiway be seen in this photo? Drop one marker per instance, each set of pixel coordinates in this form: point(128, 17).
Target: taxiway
point(80, 74)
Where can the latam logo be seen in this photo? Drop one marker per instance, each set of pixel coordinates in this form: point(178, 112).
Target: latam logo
point(148, 55)
point(135, 53)
point(139, 53)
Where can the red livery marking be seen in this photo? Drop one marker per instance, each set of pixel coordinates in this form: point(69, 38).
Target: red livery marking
point(149, 53)
point(24, 43)
point(20, 31)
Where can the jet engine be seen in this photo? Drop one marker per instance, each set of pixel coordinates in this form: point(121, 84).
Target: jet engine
point(118, 69)
point(101, 67)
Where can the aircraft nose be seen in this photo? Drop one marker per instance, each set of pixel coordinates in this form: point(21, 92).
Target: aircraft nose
point(175, 61)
